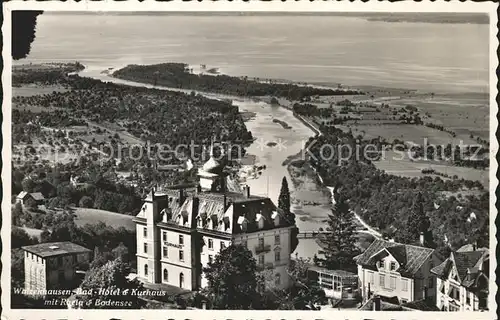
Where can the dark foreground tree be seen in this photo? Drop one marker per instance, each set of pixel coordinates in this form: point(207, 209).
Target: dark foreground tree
point(232, 279)
point(284, 205)
point(339, 243)
point(122, 293)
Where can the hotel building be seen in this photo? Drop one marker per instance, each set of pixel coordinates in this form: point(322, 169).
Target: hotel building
point(180, 230)
point(53, 265)
point(463, 281)
point(397, 271)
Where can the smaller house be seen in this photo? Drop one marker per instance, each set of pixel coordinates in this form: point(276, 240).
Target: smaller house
point(24, 197)
point(395, 270)
point(463, 280)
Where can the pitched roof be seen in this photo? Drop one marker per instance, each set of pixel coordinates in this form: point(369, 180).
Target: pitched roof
point(422, 305)
point(442, 269)
point(409, 257)
point(385, 305)
point(466, 263)
point(22, 194)
point(37, 196)
point(50, 249)
point(465, 260)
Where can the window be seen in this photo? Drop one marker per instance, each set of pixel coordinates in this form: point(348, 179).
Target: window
point(164, 236)
point(405, 284)
point(222, 245)
point(393, 266)
point(467, 298)
point(181, 239)
point(261, 242)
point(181, 280)
point(145, 248)
point(277, 279)
point(277, 239)
point(165, 252)
point(165, 275)
point(181, 255)
point(382, 280)
point(145, 232)
point(393, 283)
point(277, 256)
point(430, 283)
point(210, 244)
point(210, 258)
point(261, 259)
point(145, 269)
point(371, 278)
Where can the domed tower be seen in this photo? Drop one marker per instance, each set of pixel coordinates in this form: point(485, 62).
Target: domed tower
point(211, 174)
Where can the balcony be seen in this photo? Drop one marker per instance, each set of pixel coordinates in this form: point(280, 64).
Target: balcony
point(262, 249)
point(267, 265)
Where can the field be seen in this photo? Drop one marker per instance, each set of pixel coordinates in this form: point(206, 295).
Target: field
point(34, 233)
point(407, 168)
point(34, 89)
point(406, 132)
point(93, 216)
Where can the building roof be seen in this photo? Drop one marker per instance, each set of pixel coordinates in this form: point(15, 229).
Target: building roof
point(385, 305)
point(340, 273)
point(465, 260)
point(22, 194)
point(467, 264)
point(409, 257)
point(422, 305)
point(227, 212)
point(37, 196)
point(51, 249)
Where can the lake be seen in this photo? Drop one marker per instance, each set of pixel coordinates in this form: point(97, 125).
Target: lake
point(320, 49)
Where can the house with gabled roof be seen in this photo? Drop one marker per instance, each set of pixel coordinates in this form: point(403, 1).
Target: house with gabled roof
point(463, 280)
point(36, 197)
point(397, 271)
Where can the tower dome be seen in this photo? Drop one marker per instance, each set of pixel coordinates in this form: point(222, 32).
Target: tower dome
point(212, 166)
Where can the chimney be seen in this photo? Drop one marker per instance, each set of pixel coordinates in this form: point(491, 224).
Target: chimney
point(376, 303)
point(246, 191)
point(182, 196)
point(474, 246)
point(422, 239)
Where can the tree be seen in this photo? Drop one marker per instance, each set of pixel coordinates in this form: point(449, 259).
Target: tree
point(86, 202)
point(338, 243)
point(20, 238)
point(121, 251)
point(284, 205)
point(303, 294)
point(17, 214)
point(232, 280)
point(28, 185)
point(111, 276)
point(416, 223)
